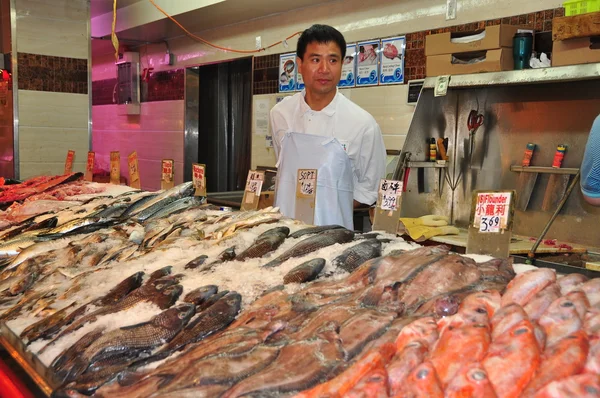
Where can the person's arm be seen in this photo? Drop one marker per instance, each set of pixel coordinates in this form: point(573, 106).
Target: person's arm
point(590, 166)
point(370, 166)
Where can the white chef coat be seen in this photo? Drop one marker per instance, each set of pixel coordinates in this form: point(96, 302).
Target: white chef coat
point(352, 126)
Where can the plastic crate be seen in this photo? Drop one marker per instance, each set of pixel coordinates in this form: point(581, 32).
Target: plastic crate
point(577, 7)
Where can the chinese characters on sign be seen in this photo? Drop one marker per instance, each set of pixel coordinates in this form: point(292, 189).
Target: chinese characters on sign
point(199, 179)
point(167, 170)
point(492, 211)
point(307, 182)
point(89, 167)
point(115, 168)
point(390, 191)
point(134, 172)
point(253, 187)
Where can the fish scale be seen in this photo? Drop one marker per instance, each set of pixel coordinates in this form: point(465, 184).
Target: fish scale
point(262, 246)
point(355, 255)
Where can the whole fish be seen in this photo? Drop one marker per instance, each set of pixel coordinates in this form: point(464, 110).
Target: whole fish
point(277, 230)
point(264, 244)
point(313, 243)
point(570, 282)
point(159, 330)
point(581, 386)
point(362, 328)
point(114, 211)
point(195, 263)
point(354, 256)
point(560, 320)
point(526, 285)
point(536, 307)
point(404, 363)
point(591, 289)
point(133, 207)
point(45, 326)
point(64, 360)
point(423, 382)
point(177, 206)
point(13, 247)
point(200, 295)
point(160, 201)
point(471, 381)
point(314, 230)
point(299, 365)
point(23, 283)
point(305, 272)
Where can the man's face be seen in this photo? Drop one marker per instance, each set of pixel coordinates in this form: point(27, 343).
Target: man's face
point(321, 67)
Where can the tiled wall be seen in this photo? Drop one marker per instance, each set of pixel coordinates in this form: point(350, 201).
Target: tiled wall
point(53, 48)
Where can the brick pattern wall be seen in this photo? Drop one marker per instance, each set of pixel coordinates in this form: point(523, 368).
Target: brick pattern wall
point(161, 86)
point(56, 74)
point(266, 74)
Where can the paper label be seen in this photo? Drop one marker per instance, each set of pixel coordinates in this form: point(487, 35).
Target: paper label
point(167, 170)
point(367, 70)
point(69, 162)
point(389, 202)
point(261, 116)
point(115, 168)
point(392, 60)
point(307, 182)
point(492, 211)
point(390, 191)
point(287, 72)
point(134, 171)
point(349, 67)
point(89, 167)
point(199, 178)
point(269, 141)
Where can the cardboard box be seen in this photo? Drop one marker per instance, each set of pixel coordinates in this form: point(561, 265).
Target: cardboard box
point(495, 61)
point(266, 199)
point(497, 36)
point(574, 52)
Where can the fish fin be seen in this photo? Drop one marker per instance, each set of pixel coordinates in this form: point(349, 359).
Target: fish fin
point(273, 263)
point(134, 326)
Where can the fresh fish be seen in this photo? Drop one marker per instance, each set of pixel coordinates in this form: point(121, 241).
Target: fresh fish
point(560, 320)
point(159, 330)
point(298, 366)
point(313, 243)
point(375, 384)
point(471, 381)
point(362, 328)
point(23, 283)
point(526, 285)
point(422, 330)
point(65, 359)
point(512, 360)
point(591, 289)
point(160, 273)
point(581, 386)
point(506, 318)
point(264, 244)
point(177, 206)
point(423, 382)
point(161, 201)
point(114, 211)
point(570, 282)
point(277, 230)
point(133, 207)
point(404, 363)
point(46, 326)
point(25, 303)
point(36, 250)
point(564, 359)
point(354, 256)
point(314, 230)
point(200, 295)
point(16, 245)
point(305, 272)
point(536, 307)
point(195, 263)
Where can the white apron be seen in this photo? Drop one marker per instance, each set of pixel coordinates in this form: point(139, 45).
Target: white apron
point(335, 187)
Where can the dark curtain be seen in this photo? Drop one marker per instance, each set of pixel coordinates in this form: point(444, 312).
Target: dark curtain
point(224, 123)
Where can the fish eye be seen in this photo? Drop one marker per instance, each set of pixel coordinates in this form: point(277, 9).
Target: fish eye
point(567, 304)
point(520, 331)
point(421, 374)
point(478, 375)
point(481, 310)
point(591, 389)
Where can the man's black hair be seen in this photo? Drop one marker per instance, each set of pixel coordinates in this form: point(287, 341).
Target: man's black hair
point(321, 34)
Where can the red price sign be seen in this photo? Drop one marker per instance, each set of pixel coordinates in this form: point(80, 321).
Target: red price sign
point(69, 162)
point(90, 162)
point(167, 170)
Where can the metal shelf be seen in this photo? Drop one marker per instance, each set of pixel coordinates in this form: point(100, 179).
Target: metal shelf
point(556, 74)
point(427, 165)
point(543, 170)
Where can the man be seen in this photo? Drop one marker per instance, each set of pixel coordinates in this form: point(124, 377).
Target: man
point(590, 166)
point(322, 111)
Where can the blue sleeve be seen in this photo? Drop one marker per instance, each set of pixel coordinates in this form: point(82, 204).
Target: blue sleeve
point(590, 166)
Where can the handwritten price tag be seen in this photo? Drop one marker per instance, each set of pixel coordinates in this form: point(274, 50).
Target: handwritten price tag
point(254, 184)
point(307, 182)
point(69, 162)
point(115, 168)
point(492, 211)
point(389, 202)
point(166, 173)
point(89, 167)
point(199, 178)
point(134, 172)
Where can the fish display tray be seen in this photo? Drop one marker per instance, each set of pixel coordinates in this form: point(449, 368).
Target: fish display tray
point(30, 363)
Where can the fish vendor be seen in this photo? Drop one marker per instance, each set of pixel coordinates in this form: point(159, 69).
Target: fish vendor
point(319, 128)
point(590, 166)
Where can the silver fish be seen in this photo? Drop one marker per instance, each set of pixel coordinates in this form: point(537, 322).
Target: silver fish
point(179, 191)
point(177, 206)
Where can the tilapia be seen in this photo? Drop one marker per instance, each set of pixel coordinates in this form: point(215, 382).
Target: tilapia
point(305, 272)
point(200, 295)
point(354, 256)
point(313, 243)
point(159, 330)
point(314, 230)
point(264, 244)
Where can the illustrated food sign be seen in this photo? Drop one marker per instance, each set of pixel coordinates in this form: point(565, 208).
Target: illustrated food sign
point(392, 61)
point(287, 72)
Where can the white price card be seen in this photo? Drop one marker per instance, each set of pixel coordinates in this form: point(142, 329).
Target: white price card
point(307, 181)
point(492, 211)
point(389, 202)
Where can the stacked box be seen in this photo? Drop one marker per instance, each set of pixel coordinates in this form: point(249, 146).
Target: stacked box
point(575, 39)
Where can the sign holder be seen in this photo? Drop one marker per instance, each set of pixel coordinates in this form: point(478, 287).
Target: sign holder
point(115, 168)
point(69, 162)
point(306, 194)
point(491, 223)
point(167, 172)
point(89, 167)
point(199, 179)
point(134, 171)
point(254, 184)
point(387, 208)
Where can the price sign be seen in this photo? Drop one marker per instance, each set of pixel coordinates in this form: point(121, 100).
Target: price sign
point(307, 182)
point(492, 211)
point(69, 162)
point(167, 174)
point(89, 167)
point(134, 171)
point(254, 184)
point(387, 209)
point(390, 191)
point(389, 202)
point(115, 168)
point(199, 178)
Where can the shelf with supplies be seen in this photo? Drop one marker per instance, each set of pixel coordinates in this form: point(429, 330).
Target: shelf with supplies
point(544, 170)
point(427, 165)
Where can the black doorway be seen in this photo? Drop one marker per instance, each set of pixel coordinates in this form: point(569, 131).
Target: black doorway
point(218, 123)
